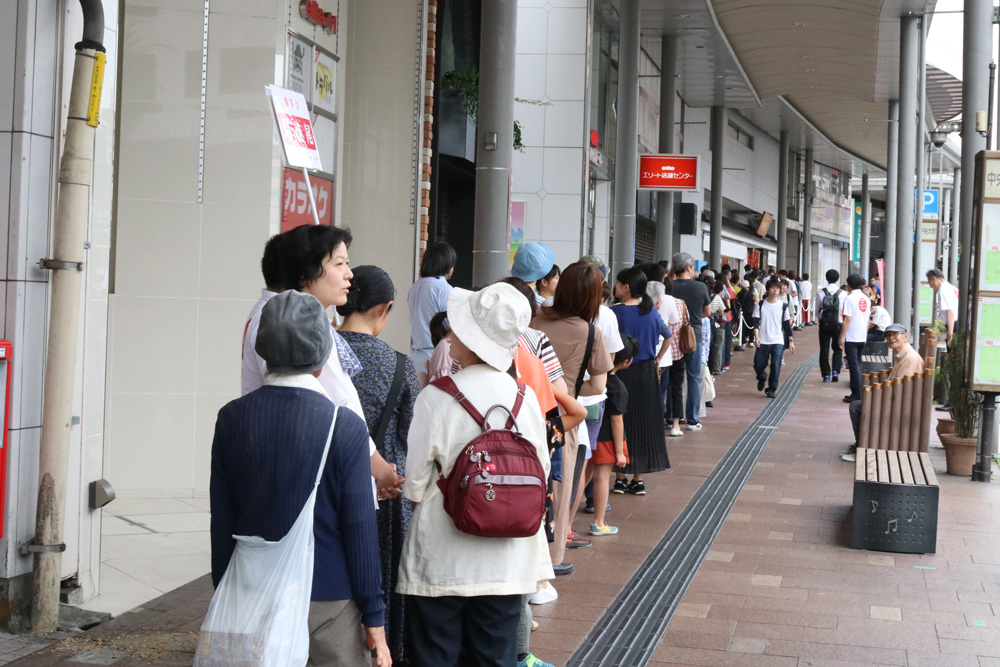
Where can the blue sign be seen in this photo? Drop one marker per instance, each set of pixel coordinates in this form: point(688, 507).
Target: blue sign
point(932, 205)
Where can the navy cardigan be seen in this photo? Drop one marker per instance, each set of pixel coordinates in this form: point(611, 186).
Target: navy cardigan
point(265, 456)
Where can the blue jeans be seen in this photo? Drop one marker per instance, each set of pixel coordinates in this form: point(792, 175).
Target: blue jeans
point(763, 354)
point(693, 362)
point(727, 351)
point(853, 353)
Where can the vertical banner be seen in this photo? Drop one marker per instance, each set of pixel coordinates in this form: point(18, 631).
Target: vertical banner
point(856, 235)
point(516, 239)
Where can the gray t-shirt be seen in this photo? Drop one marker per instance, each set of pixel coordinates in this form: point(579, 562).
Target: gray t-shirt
point(695, 295)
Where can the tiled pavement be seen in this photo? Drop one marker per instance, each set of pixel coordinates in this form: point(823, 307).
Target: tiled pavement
point(779, 587)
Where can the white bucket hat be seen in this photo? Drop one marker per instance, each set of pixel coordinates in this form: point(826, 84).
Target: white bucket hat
point(490, 321)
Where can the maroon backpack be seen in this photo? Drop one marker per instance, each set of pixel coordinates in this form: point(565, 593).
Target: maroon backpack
point(497, 486)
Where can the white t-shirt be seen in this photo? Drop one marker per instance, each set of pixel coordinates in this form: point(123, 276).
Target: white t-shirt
point(254, 368)
point(859, 309)
point(771, 316)
point(607, 322)
point(947, 300)
point(807, 290)
point(668, 312)
point(880, 318)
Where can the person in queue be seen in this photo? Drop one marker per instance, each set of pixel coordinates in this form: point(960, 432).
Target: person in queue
point(387, 387)
point(427, 297)
point(461, 585)
point(315, 261)
point(275, 437)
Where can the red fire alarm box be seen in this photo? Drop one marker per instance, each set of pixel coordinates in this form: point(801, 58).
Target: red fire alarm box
point(6, 359)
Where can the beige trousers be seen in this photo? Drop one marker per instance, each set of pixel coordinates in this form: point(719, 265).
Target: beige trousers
point(336, 638)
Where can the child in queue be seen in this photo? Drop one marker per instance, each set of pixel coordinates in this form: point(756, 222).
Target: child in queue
point(612, 449)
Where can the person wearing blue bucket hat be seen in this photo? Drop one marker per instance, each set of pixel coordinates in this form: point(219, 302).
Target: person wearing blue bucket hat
point(532, 262)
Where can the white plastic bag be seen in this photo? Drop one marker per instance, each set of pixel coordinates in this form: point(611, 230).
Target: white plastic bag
point(259, 615)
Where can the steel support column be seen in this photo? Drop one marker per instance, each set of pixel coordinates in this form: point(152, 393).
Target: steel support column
point(977, 52)
point(923, 161)
point(956, 189)
point(807, 223)
point(782, 231)
point(902, 297)
point(717, 134)
point(627, 152)
point(668, 117)
point(866, 225)
point(494, 141)
point(891, 190)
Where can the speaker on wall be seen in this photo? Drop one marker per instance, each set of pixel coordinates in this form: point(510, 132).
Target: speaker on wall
point(686, 217)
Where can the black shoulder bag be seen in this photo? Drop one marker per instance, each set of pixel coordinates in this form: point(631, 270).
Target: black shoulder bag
point(391, 400)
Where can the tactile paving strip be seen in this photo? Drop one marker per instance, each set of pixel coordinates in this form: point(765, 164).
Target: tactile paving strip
point(629, 630)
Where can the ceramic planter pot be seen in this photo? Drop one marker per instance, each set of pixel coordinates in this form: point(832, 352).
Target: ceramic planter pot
point(960, 453)
point(945, 425)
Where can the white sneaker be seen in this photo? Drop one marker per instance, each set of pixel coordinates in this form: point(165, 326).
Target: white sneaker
point(547, 593)
point(676, 433)
point(694, 427)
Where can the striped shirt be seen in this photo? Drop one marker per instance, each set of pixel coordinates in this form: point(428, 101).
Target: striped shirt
point(538, 344)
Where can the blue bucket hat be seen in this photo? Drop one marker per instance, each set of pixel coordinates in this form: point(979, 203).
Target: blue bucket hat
point(533, 261)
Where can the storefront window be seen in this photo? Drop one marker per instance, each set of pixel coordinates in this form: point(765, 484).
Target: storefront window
point(604, 78)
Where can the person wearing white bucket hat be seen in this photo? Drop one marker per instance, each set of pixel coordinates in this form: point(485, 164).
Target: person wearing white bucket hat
point(454, 579)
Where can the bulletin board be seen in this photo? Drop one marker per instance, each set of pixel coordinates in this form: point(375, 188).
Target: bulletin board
point(983, 369)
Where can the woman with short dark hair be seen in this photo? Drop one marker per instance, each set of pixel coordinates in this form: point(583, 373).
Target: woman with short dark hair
point(387, 386)
point(427, 297)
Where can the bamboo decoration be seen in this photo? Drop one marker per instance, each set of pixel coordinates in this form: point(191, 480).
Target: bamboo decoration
point(885, 430)
point(897, 406)
point(867, 418)
point(907, 431)
point(926, 405)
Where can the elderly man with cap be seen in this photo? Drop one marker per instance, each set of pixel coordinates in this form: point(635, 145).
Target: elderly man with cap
point(268, 446)
point(462, 585)
point(905, 362)
point(532, 262)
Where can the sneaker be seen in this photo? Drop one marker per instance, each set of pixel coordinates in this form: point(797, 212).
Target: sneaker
point(708, 404)
point(826, 378)
point(547, 593)
point(675, 433)
point(850, 399)
point(588, 509)
point(532, 661)
point(770, 393)
point(605, 530)
point(835, 377)
point(850, 454)
point(760, 385)
point(694, 427)
point(725, 368)
point(562, 569)
point(637, 488)
point(576, 541)
point(621, 486)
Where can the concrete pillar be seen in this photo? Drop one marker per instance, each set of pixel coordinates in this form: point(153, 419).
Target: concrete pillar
point(668, 113)
point(891, 189)
point(627, 155)
point(977, 47)
point(782, 231)
point(717, 133)
point(956, 189)
point(866, 225)
point(494, 141)
point(902, 296)
point(807, 225)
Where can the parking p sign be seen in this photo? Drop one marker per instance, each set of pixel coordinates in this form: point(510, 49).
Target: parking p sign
point(932, 205)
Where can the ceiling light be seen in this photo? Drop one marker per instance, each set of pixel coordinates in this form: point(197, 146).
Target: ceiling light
point(810, 70)
point(807, 57)
point(720, 76)
point(797, 25)
point(682, 16)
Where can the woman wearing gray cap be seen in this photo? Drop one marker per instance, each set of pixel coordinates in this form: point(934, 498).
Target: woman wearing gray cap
point(458, 582)
point(268, 446)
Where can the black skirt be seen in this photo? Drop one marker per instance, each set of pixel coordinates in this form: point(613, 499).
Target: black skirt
point(644, 432)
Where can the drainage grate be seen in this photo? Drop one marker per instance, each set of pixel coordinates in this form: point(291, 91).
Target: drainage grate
point(629, 630)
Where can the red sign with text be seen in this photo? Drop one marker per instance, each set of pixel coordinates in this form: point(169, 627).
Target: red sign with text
point(295, 209)
point(668, 172)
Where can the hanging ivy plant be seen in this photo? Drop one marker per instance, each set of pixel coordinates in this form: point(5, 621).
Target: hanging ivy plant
point(464, 80)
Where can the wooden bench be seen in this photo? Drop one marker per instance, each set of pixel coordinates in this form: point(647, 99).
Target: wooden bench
point(895, 502)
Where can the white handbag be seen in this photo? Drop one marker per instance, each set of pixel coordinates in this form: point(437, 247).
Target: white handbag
point(259, 615)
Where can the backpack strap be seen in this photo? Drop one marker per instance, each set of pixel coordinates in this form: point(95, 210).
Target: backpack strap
point(391, 400)
point(586, 359)
point(447, 385)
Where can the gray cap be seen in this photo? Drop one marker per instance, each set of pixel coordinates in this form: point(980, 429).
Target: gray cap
point(896, 328)
point(294, 335)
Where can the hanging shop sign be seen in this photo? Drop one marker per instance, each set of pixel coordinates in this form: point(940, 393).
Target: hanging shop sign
point(312, 12)
point(299, 60)
point(295, 210)
point(668, 172)
point(765, 224)
point(856, 235)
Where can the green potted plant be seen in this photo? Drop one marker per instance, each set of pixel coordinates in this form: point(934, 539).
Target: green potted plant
point(960, 447)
